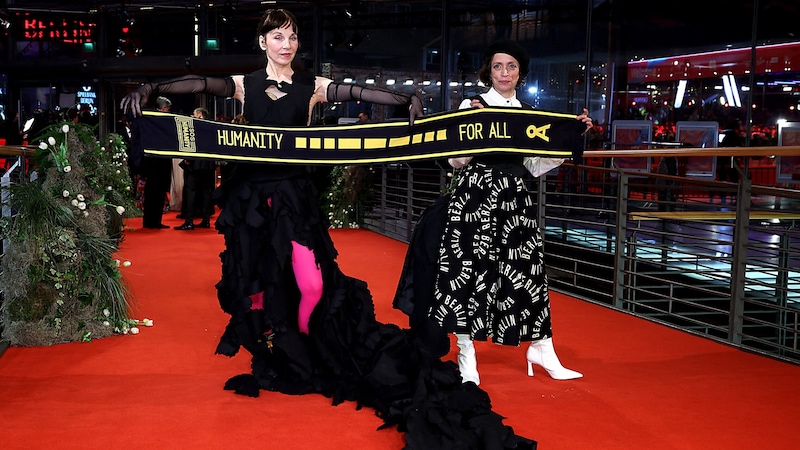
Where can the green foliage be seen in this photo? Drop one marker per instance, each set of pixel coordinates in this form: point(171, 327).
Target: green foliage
point(345, 200)
point(59, 278)
point(451, 185)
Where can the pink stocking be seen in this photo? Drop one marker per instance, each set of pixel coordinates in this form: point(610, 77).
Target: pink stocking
point(257, 300)
point(309, 281)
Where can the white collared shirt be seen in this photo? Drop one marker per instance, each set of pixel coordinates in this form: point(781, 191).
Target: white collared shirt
point(493, 98)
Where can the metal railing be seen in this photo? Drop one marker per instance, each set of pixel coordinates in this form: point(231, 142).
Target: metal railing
point(718, 259)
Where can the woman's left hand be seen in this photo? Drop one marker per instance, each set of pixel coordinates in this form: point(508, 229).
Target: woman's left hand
point(585, 119)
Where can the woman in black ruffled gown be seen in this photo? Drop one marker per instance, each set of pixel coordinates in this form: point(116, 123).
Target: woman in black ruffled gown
point(308, 327)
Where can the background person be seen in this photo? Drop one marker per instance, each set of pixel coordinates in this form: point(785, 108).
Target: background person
point(157, 178)
point(199, 179)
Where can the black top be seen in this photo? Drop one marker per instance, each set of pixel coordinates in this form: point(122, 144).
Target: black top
point(291, 109)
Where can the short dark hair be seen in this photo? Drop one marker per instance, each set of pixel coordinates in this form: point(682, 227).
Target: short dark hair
point(275, 18)
point(203, 112)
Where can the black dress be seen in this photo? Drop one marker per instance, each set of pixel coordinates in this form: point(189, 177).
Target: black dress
point(491, 280)
point(348, 355)
point(475, 263)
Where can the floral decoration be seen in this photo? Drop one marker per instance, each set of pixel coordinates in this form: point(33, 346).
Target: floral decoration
point(348, 194)
point(60, 280)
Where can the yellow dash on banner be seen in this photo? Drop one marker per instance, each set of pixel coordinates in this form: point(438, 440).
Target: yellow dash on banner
point(330, 144)
point(399, 141)
point(349, 143)
point(441, 135)
point(429, 136)
point(373, 143)
point(300, 142)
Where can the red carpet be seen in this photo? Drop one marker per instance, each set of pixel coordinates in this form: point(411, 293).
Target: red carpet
point(645, 386)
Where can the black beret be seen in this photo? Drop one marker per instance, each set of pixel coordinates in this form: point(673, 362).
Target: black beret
point(510, 48)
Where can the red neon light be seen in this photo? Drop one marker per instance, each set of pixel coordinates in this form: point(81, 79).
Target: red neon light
point(779, 58)
point(70, 31)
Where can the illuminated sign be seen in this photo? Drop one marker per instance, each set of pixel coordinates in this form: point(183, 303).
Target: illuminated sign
point(86, 96)
point(63, 29)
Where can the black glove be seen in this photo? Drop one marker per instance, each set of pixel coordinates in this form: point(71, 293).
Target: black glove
point(188, 84)
point(347, 92)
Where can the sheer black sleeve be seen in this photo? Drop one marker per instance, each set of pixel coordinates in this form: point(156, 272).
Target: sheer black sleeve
point(347, 92)
point(187, 84)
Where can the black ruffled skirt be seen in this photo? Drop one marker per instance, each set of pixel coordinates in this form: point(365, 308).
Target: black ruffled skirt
point(348, 355)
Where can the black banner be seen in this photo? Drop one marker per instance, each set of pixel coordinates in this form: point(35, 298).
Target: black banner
point(451, 134)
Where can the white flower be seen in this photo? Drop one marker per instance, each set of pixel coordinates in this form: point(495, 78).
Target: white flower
point(124, 330)
point(65, 193)
point(108, 188)
point(43, 145)
point(120, 210)
point(127, 188)
point(67, 168)
point(134, 330)
point(51, 140)
point(74, 202)
point(65, 128)
point(116, 261)
point(86, 214)
point(80, 197)
point(106, 323)
point(147, 322)
point(118, 172)
point(81, 205)
point(106, 312)
point(103, 148)
point(126, 264)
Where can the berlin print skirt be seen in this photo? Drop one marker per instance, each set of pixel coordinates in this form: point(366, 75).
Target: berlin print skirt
point(491, 282)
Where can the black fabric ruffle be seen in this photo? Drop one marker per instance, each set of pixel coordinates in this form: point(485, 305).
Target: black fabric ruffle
point(348, 355)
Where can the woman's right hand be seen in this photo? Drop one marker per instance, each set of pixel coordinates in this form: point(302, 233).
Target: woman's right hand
point(132, 103)
point(475, 103)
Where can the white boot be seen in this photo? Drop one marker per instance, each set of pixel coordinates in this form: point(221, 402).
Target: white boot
point(467, 363)
point(543, 353)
